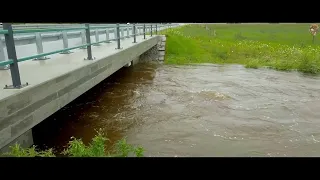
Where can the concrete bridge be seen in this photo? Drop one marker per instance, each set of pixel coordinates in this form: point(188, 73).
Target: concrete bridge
point(45, 67)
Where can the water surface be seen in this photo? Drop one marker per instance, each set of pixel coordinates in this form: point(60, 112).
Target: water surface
point(198, 110)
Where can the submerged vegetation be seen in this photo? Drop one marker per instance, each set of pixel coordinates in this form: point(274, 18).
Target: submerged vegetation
point(76, 148)
point(278, 46)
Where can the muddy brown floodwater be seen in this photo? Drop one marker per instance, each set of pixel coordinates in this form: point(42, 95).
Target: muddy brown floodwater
point(201, 110)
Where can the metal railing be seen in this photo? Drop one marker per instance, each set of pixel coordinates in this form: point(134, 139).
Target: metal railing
point(84, 32)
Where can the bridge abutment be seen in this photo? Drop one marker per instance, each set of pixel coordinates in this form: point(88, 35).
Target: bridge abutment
point(162, 48)
point(24, 140)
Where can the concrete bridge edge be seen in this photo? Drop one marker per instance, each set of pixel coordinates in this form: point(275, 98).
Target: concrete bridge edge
point(26, 138)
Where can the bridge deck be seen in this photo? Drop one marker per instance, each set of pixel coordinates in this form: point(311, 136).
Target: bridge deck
point(37, 72)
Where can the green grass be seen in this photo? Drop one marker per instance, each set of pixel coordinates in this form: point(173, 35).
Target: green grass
point(76, 148)
point(278, 46)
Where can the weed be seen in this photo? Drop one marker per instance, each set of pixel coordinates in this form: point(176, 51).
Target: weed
point(76, 148)
point(18, 151)
point(123, 149)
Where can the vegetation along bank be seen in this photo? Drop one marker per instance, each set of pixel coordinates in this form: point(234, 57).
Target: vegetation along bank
point(278, 46)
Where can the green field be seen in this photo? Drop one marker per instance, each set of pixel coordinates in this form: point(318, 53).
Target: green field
point(278, 46)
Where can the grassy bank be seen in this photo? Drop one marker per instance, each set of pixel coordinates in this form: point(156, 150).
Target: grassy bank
point(76, 148)
point(278, 46)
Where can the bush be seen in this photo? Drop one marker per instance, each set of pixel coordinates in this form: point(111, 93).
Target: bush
point(76, 148)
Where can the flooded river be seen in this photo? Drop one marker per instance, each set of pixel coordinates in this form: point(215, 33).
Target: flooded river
point(201, 110)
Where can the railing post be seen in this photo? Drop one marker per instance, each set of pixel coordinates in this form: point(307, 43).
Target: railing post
point(156, 29)
point(115, 33)
point(89, 51)
point(107, 36)
point(134, 33)
point(118, 36)
point(39, 47)
point(144, 31)
point(65, 42)
point(128, 31)
point(151, 31)
point(83, 38)
point(2, 56)
point(122, 33)
point(97, 37)
point(12, 55)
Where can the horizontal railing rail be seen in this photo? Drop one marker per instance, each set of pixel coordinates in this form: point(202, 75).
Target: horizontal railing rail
point(6, 62)
point(84, 31)
point(30, 39)
point(3, 32)
point(43, 25)
point(16, 31)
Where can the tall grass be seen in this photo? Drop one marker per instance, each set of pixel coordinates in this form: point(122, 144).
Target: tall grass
point(278, 46)
point(76, 148)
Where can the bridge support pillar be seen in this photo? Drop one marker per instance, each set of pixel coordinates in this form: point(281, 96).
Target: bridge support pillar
point(133, 62)
point(128, 65)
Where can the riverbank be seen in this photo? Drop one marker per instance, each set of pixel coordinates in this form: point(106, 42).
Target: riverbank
point(278, 46)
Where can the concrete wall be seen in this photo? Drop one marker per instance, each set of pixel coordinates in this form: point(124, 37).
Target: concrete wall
point(20, 113)
point(150, 55)
point(162, 48)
